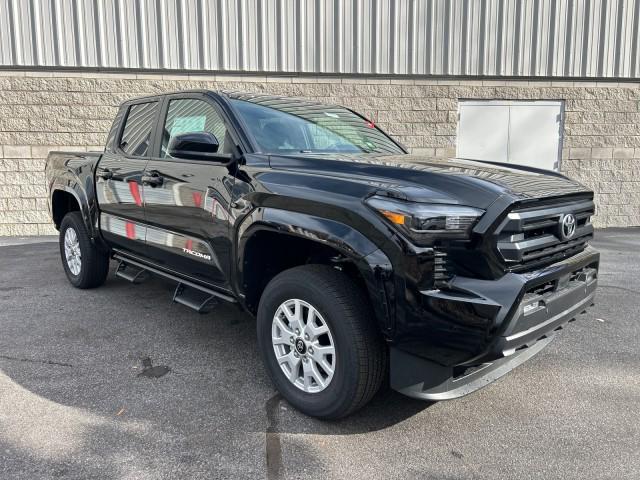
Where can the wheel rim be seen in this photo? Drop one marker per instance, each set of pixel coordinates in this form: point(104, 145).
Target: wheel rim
point(303, 345)
point(72, 251)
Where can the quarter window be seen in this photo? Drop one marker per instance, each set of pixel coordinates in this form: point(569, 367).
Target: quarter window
point(136, 136)
point(190, 115)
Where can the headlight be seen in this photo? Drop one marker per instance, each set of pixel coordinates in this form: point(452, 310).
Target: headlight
point(426, 222)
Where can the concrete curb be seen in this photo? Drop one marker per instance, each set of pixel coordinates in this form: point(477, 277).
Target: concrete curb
point(9, 241)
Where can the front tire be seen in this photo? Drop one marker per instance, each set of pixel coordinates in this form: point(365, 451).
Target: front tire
point(319, 342)
point(84, 263)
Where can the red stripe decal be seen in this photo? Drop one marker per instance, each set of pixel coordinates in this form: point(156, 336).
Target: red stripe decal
point(134, 188)
point(197, 199)
point(131, 230)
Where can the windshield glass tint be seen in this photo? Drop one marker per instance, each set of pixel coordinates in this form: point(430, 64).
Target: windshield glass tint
point(280, 125)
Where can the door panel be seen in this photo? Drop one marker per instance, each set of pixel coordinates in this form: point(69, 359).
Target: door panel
point(188, 217)
point(483, 131)
point(534, 135)
point(119, 179)
point(188, 212)
point(120, 197)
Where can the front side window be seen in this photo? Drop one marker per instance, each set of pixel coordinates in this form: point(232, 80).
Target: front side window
point(136, 136)
point(296, 126)
point(189, 115)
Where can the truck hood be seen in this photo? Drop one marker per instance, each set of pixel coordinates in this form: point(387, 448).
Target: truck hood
point(422, 178)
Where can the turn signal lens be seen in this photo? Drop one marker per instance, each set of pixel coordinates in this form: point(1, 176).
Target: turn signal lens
point(396, 218)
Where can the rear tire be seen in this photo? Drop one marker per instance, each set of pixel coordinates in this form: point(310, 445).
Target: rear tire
point(84, 263)
point(359, 364)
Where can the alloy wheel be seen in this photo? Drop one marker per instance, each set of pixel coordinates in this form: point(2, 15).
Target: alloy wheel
point(72, 251)
point(303, 345)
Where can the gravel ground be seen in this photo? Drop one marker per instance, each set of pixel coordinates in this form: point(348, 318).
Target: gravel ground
point(73, 402)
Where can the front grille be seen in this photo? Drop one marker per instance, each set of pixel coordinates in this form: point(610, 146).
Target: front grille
point(532, 237)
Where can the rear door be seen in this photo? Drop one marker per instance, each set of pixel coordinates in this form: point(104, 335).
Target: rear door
point(119, 176)
point(187, 209)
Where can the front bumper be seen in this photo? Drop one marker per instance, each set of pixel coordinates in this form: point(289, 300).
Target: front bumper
point(479, 330)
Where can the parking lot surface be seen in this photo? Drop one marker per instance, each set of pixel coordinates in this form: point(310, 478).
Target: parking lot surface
point(120, 383)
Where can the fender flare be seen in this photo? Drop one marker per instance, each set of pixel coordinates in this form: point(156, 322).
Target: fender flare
point(83, 203)
point(373, 264)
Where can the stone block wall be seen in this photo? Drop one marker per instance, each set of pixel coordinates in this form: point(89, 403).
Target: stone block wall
point(41, 111)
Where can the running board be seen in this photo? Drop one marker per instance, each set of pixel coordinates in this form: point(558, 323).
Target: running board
point(190, 294)
point(131, 273)
point(201, 302)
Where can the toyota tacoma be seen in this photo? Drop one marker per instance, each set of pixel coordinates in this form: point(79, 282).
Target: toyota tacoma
point(361, 263)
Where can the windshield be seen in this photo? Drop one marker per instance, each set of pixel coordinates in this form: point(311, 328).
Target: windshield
point(280, 125)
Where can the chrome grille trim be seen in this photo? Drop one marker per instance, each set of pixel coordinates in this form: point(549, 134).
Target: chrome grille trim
point(530, 237)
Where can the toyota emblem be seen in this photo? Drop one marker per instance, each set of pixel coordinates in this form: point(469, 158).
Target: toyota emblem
point(568, 226)
point(301, 348)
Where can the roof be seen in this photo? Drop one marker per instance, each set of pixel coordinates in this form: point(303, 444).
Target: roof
point(260, 98)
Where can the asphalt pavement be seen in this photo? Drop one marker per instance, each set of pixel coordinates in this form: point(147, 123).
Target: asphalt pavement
point(119, 382)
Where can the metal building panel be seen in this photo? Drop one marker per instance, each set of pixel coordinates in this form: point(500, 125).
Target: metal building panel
point(572, 38)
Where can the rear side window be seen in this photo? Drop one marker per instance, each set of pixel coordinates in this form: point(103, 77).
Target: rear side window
point(115, 128)
point(136, 136)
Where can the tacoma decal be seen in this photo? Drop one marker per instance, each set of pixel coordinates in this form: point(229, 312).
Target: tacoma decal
point(196, 254)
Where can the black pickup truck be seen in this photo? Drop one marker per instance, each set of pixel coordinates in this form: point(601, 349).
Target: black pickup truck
point(360, 261)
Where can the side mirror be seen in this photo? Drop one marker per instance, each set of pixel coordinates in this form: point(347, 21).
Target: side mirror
point(195, 146)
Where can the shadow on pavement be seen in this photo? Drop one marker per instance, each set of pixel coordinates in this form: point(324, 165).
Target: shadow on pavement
point(386, 409)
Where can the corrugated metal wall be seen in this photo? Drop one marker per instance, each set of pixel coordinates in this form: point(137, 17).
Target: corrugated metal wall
point(563, 38)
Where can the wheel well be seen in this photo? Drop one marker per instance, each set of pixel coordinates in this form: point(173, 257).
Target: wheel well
point(266, 254)
point(62, 203)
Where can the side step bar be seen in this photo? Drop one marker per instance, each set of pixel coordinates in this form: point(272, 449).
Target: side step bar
point(190, 294)
point(201, 302)
point(130, 272)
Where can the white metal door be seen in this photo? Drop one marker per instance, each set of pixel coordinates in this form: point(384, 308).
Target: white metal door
point(519, 132)
point(483, 130)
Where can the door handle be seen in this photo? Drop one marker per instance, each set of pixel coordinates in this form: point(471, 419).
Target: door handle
point(152, 180)
point(105, 174)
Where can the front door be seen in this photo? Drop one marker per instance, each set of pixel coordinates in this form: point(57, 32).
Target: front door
point(187, 201)
point(119, 178)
